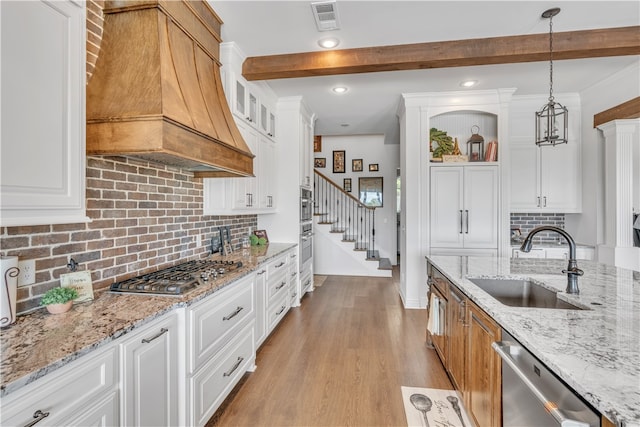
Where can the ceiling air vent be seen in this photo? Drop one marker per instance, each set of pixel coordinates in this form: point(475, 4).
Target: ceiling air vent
point(326, 15)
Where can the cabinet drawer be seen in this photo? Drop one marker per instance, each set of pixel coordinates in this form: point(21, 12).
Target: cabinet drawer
point(211, 385)
point(213, 321)
point(101, 414)
point(276, 286)
point(62, 392)
point(277, 265)
point(439, 281)
point(277, 311)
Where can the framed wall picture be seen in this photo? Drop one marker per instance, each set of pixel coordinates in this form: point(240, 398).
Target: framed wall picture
point(370, 191)
point(346, 185)
point(356, 165)
point(317, 143)
point(373, 167)
point(320, 162)
point(338, 161)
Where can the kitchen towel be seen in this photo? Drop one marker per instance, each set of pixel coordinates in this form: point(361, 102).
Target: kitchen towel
point(433, 322)
point(8, 289)
point(440, 407)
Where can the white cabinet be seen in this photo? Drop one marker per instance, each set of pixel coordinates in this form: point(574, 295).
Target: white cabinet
point(306, 277)
point(582, 252)
point(245, 190)
point(267, 162)
point(244, 100)
point(220, 347)
point(261, 305)
point(278, 297)
point(464, 207)
point(544, 179)
point(533, 253)
point(83, 390)
point(150, 376)
point(43, 113)
point(253, 107)
point(213, 383)
point(306, 152)
point(294, 293)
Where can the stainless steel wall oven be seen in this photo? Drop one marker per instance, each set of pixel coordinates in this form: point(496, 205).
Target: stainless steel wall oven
point(306, 205)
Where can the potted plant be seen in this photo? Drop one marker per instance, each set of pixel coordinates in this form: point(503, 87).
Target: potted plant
point(59, 300)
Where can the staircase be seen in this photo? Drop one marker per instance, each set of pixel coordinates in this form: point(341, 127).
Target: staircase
point(344, 233)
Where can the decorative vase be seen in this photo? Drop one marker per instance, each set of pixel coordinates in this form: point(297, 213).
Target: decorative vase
point(59, 308)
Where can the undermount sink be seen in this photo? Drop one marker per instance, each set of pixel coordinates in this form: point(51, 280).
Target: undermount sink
point(522, 293)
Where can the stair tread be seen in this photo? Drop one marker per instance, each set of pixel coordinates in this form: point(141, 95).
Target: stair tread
point(384, 264)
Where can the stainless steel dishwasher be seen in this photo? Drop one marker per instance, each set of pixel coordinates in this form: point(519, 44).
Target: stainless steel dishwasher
point(533, 396)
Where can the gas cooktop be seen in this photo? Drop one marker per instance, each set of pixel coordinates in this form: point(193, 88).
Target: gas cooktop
point(176, 280)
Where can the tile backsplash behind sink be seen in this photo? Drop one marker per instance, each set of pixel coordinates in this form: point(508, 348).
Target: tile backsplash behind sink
point(528, 221)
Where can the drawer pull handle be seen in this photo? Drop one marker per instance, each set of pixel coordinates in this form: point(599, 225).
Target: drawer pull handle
point(234, 367)
point(261, 272)
point(281, 310)
point(280, 265)
point(281, 286)
point(232, 315)
point(307, 283)
point(38, 416)
point(158, 335)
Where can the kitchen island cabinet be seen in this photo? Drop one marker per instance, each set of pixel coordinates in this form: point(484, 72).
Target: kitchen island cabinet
point(484, 380)
point(472, 365)
point(591, 350)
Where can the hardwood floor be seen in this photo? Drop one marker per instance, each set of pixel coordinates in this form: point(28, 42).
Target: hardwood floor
point(338, 360)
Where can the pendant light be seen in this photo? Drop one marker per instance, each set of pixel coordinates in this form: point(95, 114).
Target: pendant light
point(551, 120)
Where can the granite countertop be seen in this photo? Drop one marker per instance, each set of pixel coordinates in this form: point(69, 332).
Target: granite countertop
point(39, 343)
point(596, 350)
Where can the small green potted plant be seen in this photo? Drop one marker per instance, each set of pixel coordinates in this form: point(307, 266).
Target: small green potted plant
point(59, 300)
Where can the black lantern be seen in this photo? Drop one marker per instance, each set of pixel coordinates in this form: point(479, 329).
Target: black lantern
point(551, 120)
point(475, 145)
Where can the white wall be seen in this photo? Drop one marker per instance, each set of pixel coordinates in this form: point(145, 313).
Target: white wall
point(371, 149)
point(618, 88)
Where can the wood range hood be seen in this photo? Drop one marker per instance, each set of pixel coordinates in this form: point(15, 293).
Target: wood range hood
point(156, 92)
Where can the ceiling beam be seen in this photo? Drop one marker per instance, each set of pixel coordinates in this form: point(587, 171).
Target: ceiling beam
point(626, 110)
point(620, 41)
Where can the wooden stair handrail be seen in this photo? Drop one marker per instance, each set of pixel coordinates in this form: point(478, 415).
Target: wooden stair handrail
point(326, 178)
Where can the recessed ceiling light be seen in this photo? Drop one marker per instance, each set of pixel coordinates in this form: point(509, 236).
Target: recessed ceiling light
point(329, 42)
point(469, 83)
point(340, 89)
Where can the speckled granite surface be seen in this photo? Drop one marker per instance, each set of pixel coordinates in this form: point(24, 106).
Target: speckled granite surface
point(595, 351)
point(39, 343)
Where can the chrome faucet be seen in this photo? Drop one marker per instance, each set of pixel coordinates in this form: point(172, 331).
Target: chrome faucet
point(572, 270)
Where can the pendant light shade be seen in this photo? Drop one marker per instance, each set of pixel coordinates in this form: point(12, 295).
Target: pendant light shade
point(551, 120)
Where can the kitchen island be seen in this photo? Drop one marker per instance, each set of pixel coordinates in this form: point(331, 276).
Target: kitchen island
point(595, 350)
point(40, 343)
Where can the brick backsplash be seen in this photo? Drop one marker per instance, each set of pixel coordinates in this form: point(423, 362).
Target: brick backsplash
point(528, 221)
point(145, 217)
point(95, 21)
